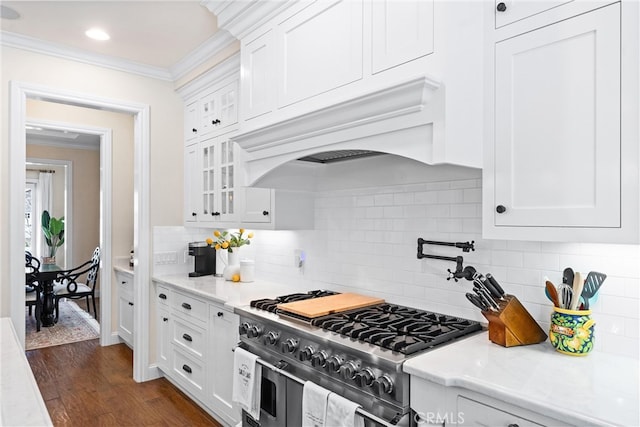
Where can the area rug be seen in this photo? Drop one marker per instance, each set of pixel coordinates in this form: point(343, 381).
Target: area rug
point(74, 324)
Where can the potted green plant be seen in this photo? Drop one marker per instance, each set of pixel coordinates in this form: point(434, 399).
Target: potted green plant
point(53, 229)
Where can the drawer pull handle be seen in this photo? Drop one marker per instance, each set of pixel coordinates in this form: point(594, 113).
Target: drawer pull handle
point(186, 306)
point(186, 368)
point(265, 213)
point(131, 304)
point(124, 283)
point(187, 337)
point(165, 319)
point(220, 314)
point(162, 296)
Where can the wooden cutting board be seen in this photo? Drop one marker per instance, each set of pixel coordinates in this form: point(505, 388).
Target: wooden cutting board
point(316, 307)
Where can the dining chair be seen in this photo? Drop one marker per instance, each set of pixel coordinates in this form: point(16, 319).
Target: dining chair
point(33, 290)
point(67, 285)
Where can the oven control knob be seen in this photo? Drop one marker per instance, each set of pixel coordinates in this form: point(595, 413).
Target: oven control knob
point(271, 338)
point(289, 346)
point(319, 359)
point(244, 328)
point(364, 378)
point(334, 363)
point(383, 385)
point(306, 353)
point(254, 331)
point(349, 369)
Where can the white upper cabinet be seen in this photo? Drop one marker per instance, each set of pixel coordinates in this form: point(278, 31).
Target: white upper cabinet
point(319, 49)
point(258, 94)
point(394, 44)
point(557, 138)
point(509, 11)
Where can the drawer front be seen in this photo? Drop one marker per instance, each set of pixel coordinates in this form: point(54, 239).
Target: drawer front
point(190, 307)
point(188, 372)
point(163, 295)
point(189, 338)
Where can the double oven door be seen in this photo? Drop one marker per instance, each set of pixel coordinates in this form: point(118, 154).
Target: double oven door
point(280, 402)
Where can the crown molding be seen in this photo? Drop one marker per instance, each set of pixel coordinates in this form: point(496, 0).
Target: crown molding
point(31, 140)
point(228, 68)
point(211, 47)
point(241, 17)
point(53, 49)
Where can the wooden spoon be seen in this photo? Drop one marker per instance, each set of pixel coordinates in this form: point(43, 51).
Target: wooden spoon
point(553, 293)
point(578, 284)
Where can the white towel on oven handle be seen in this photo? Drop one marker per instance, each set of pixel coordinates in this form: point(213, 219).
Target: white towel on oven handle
point(341, 412)
point(247, 375)
point(314, 405)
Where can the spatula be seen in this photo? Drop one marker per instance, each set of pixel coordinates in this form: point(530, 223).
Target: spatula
point(591, 286)
point(578, 285)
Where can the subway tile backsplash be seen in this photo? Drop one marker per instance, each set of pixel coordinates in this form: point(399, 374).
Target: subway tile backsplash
point(365, 240)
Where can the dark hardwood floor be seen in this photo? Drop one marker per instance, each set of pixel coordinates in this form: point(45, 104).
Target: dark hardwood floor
point(85, 384)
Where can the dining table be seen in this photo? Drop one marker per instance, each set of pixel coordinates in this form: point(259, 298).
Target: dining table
point(46, 276)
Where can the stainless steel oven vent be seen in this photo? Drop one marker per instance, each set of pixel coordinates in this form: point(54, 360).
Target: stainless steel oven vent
point(338, 156)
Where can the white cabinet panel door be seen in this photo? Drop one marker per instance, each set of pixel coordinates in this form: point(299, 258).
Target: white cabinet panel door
point(401, 31)
point(191, 122)
point(320, 49)
point(191, 183)
point(257, 76)
point(557, 124)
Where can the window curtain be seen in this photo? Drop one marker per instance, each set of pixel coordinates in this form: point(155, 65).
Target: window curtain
point(45, 202)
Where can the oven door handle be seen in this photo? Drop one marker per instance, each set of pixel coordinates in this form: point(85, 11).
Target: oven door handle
point(359, 411)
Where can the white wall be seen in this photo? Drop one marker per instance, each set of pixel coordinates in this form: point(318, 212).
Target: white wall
point(166, 123)
point(365, 241)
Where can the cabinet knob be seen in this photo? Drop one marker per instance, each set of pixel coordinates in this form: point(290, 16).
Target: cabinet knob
point(194, 214)
point(220, 314)
point(501, 209)
point(215, 213)
point(131, 304)
point(194, 130)
point(165, 319)
point(501, 7)
point(265, 213)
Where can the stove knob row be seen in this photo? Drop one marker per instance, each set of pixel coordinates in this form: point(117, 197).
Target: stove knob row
point(290, 345)
point(383, 385)
point(271, 338)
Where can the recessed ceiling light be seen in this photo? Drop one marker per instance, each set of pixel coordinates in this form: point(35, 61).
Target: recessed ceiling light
point(97, 34)
point(8, 13)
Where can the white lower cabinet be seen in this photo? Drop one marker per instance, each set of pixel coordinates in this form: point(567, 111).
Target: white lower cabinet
point(125, 307)
point(223, 338)
point(440, 405)
point(195, 341)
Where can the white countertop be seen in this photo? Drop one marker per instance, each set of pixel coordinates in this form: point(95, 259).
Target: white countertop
point(597, 389)
point(232, 294)
point(21, 403)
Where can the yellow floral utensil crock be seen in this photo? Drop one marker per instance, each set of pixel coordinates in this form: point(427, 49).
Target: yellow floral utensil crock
point(572, 331)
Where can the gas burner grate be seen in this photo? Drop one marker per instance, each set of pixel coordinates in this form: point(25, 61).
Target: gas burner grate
point(397, 328)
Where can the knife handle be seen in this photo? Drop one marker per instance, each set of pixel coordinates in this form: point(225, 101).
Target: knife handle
point(495, 284)
point(475, 300)
point(492, 289)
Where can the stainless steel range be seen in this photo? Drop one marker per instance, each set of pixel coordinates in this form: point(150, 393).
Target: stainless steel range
point(356, 353)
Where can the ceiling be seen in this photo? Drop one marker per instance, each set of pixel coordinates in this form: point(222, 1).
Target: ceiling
point(153, 33)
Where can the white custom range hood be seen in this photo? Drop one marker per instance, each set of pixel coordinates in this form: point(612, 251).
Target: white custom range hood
point(401, 120)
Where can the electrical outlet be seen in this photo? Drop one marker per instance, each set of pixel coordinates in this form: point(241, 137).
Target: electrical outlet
point(299, 257)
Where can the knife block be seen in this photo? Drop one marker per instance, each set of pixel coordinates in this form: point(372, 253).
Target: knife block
point(513, 325)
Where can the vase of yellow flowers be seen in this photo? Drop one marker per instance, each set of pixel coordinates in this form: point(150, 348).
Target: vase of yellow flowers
point(230, 243)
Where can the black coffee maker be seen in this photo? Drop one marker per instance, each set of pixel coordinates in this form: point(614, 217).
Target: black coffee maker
point(205, 255)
